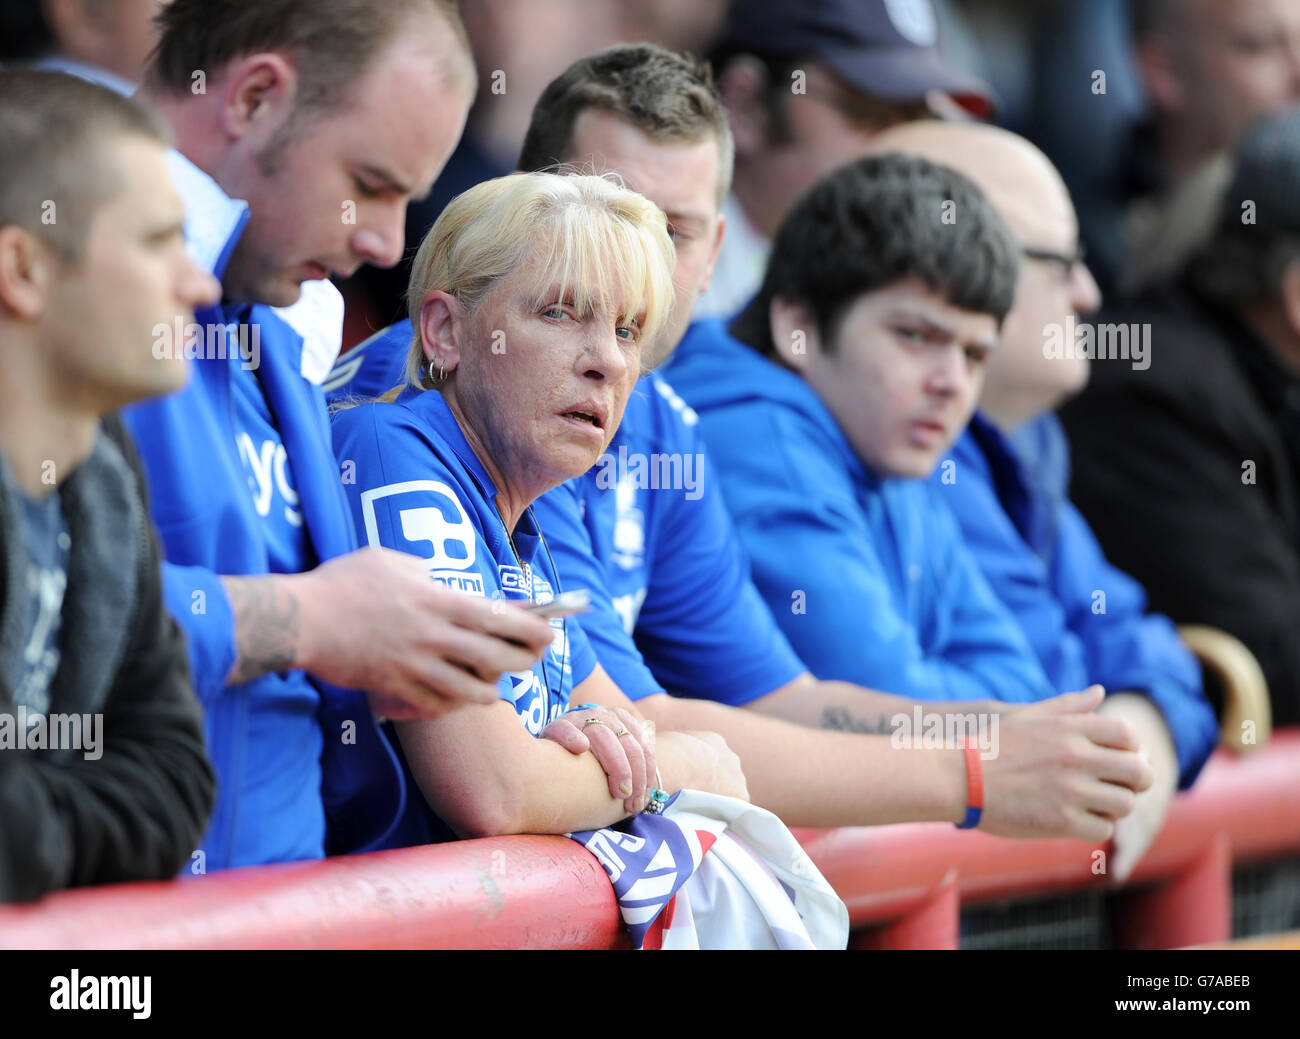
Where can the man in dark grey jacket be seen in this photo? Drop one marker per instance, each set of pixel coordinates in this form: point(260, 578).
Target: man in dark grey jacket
point(1189, 472)
point(103, 775)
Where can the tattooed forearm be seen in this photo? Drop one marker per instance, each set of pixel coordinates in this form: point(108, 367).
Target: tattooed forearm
point(844, 720)
point(266, 626)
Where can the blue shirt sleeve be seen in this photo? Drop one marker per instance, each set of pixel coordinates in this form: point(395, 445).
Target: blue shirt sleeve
point(194, 595)
point(704, 628)
point(979, 634)
point(825, 574)
point(1128, 649)
point(1017, 574)
point(197, 599)
point(560, 518)
point(1086, 621)
point(371, 368)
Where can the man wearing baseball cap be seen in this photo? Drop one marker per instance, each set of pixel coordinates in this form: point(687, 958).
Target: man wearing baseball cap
point(807, 85)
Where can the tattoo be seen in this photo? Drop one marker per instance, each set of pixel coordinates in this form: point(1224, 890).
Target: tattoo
point(266, 627)
point(843, 719)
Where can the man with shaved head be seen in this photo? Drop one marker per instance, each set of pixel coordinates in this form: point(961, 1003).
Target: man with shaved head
point(1006, 479)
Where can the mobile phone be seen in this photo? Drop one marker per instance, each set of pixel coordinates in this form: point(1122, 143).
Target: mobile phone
point(563, 605)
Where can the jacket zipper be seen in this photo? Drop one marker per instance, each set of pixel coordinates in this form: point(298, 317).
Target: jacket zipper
point(528, 570)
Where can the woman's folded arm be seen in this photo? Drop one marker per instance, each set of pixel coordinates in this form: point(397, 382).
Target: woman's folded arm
point(485, 776)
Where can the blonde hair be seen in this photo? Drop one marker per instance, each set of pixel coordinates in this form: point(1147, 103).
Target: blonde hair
point(603, 242)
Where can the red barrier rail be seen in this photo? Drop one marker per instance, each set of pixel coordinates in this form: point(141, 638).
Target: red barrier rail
point(547, 892)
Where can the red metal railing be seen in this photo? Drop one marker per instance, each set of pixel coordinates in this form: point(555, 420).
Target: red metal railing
point(904, 885)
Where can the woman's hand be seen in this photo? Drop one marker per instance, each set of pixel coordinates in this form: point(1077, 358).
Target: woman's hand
point(701, 761)
point(623, 744)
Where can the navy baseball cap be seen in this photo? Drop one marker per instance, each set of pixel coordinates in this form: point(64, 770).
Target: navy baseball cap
point(886, 48)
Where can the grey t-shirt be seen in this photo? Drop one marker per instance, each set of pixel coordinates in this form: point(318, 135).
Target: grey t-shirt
point(45, 535)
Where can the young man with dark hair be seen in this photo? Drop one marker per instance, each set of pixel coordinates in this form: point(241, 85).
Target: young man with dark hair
point(304, 127)
point(1005, 480)
point(102, 771)
point(857, 365)
point(662, 562)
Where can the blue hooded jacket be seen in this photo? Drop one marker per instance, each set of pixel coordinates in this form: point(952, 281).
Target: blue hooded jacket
point(869, 578)
point(372, 367)
point(303, 769)
point(1086, 620)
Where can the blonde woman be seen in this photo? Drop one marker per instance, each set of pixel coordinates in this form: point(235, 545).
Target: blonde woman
point(531, 299)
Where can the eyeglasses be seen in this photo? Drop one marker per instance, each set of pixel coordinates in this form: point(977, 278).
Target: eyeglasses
point(1065, 261)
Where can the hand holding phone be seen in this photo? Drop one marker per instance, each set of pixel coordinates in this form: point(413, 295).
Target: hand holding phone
point(563, 605)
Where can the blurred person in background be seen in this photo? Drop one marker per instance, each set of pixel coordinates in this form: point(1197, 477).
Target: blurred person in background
point(1189, 471)
point(992, 41)
point(296, 160)
point(1209, 67)
point(662, 563)
point(105, 41)
point(806, 87)
point(1006, 478)
point(125, 793)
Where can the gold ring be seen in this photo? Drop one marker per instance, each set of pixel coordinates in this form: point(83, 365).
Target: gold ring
point(593, 721)
point(621, 733)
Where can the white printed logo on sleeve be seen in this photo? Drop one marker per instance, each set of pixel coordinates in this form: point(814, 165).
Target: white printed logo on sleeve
point(431, 524)
point(532, 700)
